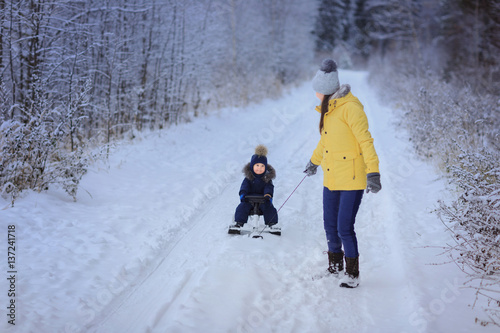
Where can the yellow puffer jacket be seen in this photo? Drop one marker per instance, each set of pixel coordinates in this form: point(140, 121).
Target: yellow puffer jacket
point(345, 150)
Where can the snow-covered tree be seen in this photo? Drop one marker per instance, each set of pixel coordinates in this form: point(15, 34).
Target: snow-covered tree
point(394, 24)
point(99, 70)
point(342, 24)
point(473, 46)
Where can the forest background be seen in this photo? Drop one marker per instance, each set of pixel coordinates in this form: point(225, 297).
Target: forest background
point(78, 76)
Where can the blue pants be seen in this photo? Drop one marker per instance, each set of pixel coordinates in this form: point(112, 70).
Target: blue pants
point(267, 208)
point(339, 214)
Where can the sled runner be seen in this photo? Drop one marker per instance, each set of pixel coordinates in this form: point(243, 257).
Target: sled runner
point(253, 227)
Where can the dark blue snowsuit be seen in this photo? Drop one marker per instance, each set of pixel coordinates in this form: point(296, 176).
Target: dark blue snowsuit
point(257, 185)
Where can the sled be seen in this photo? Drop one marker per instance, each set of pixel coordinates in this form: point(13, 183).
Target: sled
point(253, 228)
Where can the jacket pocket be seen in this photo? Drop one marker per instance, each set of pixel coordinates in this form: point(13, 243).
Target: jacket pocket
point(344, 164)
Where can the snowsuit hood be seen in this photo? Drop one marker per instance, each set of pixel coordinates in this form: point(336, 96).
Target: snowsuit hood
point(262, 184)
point(267, 176)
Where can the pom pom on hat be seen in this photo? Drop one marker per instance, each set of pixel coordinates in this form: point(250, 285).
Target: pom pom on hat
point(261, 150)
point(326, 80)
point(328, 66)
point(259, 156)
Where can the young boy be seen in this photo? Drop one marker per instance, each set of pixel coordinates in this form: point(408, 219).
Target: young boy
point(258, 181)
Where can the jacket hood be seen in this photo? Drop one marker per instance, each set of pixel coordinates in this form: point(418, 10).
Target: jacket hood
point(269, 175)
point(342, 92)
point(341, 97)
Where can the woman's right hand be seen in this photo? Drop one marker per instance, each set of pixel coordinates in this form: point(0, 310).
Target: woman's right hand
point(310, 169)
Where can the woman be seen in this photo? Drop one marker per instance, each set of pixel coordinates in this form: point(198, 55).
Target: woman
point(350, 165)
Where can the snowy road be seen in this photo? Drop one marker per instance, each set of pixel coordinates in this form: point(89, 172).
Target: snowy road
point(147, 250)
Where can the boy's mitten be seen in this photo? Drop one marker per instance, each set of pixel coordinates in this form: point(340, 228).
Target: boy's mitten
point(242, 198)
point(269, 197)
point(373, 182)
point(310, 169)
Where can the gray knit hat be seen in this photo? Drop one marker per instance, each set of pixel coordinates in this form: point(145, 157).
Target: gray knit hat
point(326, 80)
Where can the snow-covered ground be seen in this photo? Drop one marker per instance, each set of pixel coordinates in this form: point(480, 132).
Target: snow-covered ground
point(145, 248)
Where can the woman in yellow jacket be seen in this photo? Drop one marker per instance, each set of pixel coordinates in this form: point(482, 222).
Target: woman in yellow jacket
point(350, 165)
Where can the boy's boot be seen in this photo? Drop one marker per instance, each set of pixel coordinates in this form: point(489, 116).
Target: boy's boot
point(237, 225)
point(335, 262)
point(351, 277)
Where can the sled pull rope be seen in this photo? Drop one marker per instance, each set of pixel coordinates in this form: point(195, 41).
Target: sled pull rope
point(259, 235)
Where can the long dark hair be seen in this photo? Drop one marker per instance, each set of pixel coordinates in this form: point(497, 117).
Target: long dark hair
point(324, 110)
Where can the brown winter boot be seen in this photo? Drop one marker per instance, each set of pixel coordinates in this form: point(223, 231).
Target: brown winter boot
point(351, 277)
point(335, 262)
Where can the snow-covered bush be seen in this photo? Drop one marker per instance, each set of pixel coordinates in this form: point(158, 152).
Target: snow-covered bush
point(437, 113)
point(457, 128)
point(474, 220)
point(33, 157)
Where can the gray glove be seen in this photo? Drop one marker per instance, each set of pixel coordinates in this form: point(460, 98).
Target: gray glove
point(373, 182)
point(310, 169)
